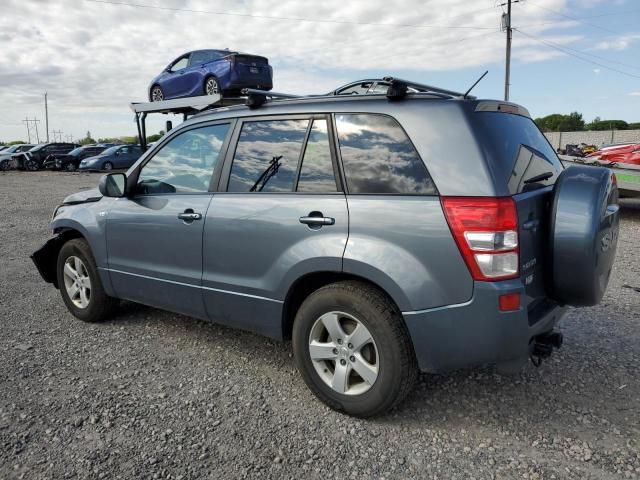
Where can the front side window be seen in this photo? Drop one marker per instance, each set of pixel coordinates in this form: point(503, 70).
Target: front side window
point(379, 158)
point(266, 157)
point(185, 164)
point(180, 64)
point(316, 172)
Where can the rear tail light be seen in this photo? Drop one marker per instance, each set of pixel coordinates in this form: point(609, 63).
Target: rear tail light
point(486, 232)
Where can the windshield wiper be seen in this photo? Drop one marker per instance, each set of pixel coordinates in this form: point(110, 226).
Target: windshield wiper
point(539, 178)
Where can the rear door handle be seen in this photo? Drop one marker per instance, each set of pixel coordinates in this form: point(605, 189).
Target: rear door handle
point(189, 216)
point(317, 220)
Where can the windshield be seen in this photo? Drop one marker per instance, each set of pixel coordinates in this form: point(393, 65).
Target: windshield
point(38, 147)
point(77, 151)
point(519, 150)
point(110, 151)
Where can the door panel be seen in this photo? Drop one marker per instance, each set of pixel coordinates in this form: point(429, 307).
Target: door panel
point(154, 257)
point(255, 247)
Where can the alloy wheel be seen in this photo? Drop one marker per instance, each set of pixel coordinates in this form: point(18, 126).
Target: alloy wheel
point(343, 353)
point(156, 94)
point(77, 282)
point(211, 87)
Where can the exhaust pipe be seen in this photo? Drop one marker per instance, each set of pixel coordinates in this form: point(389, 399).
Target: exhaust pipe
point(543, 345)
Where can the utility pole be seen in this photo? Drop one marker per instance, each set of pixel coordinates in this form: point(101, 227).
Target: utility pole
point(35, 122)
point(46, 115)
point(57, 135)
point(506, 25)
point(26, 122)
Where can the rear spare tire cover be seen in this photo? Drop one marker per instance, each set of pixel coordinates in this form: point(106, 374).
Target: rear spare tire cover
point(584, 234)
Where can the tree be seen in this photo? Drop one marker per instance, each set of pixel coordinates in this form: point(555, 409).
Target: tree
point(557, 122)
point(155, 137)
point(598, 124)
point(87, 140)
point(634, 126)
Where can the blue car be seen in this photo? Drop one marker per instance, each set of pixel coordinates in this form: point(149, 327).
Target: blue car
point(210, 72)
point(120, 156)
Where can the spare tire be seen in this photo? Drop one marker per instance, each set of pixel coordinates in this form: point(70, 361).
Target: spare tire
point(584, 234)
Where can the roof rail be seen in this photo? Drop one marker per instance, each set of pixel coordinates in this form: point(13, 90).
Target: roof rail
point(257, 98)
point(398, 88)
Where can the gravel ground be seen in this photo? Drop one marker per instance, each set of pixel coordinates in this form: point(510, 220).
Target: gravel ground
point(157, 395)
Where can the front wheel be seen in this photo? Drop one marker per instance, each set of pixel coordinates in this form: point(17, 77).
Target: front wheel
point(157, 95)
point(353, 350)
point(31, 165)
point(80, 284)
point(107, 166)
point(70, 167)
point(4, 165)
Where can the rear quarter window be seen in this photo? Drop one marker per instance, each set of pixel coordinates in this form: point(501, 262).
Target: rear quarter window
point(379, 158)
point(517, 150)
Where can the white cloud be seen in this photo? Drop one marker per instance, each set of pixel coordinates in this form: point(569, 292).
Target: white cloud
point(634, 94)
point(620, 43)
point(95, 58)
point(596, 71)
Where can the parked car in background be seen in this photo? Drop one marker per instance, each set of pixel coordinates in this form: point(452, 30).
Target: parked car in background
point(34, 159)
point(209, 72)
point(119, 156)
point(624, 153)
point(6, 155)
point(383, 237)
point(71, 161)
point(367, 87)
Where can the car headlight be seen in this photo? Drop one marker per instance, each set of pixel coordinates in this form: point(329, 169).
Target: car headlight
point(56, 211)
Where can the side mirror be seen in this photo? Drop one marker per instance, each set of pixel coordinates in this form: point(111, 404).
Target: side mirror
point(113, 185)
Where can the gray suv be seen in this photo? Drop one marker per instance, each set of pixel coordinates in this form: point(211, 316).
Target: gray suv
point(383, 235)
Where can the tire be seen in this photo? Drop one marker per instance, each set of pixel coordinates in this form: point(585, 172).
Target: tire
point(156, 94)
point(211, 86)
point(4, 165)
point(99, 306)
point(583, 234)
point(70, 167)
point(389, 353)
point(107, 166)
point(31, 165)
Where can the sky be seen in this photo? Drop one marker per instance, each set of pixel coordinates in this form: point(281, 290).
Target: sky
point(94, 57)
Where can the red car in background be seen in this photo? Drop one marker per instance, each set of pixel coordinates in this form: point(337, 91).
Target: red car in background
point(624, 153)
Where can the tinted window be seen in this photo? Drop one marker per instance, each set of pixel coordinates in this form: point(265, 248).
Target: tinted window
point(316, 173)
point(379, 158)
point(520, 150)
point(357, 89)
point(186, 163)
point(266, 158)
point(205, 56)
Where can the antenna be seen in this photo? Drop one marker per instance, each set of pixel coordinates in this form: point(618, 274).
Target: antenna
point(476, 82)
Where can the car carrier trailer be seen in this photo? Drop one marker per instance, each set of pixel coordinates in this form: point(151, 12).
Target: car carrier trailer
point(178, 106)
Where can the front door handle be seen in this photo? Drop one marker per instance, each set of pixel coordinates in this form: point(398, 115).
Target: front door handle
point(189, 216)
point(317, 221)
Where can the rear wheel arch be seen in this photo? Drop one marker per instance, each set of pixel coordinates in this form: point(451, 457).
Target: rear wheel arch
point(206, 79)
point(307, 284)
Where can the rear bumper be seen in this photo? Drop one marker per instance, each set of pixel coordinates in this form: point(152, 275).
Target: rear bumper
point(477, 332)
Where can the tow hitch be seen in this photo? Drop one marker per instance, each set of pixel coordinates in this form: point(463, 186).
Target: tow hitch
point(543, 345)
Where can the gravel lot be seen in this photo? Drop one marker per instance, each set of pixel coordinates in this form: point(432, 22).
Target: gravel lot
point(157, 395)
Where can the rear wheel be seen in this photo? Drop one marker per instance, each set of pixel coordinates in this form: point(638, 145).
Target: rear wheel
point(4, 165)
point(31, 165)
point(107, 166)
point(70, 167)
point(211, 86)
point(352, 349)
point(80, 284)
point(157, 95)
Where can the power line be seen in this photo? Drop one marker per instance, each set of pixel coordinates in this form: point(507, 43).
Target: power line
point(576, 19)
point(295, 19)
point(565, 51)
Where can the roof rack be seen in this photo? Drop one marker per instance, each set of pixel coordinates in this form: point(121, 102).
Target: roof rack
point(185, 106)
point(256, 98)
point(398, 88)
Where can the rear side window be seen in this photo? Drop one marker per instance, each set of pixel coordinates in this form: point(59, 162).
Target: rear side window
point(266, 157)
point(379, 158)
point(316, 172)
point(519, 151)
